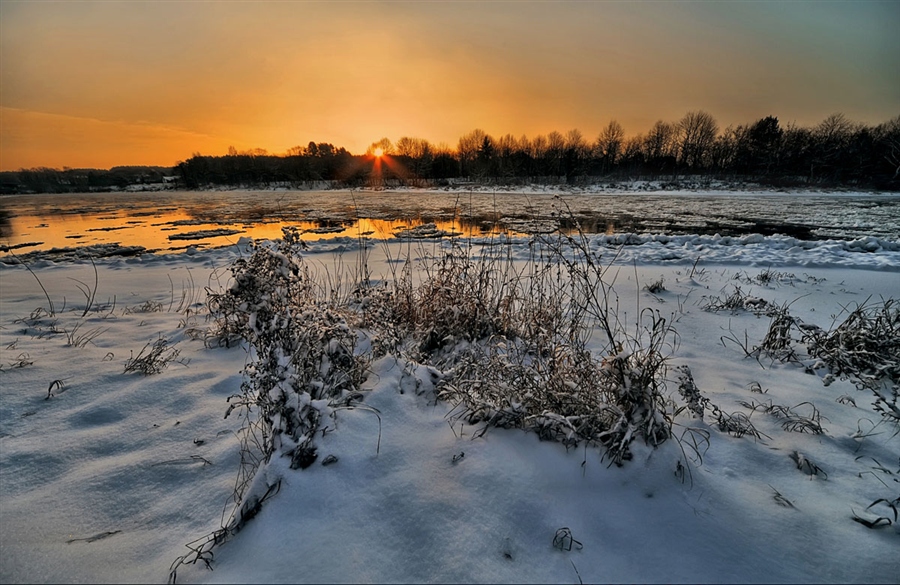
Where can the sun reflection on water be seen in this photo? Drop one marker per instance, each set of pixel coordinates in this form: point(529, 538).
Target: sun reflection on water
point(169, 228)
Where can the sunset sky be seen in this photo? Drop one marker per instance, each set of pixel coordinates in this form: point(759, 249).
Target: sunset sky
point(99, 84)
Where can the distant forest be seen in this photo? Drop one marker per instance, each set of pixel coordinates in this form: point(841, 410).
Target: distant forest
point(835, 153)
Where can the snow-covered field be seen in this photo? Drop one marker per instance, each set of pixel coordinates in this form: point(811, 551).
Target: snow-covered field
point(105, 475)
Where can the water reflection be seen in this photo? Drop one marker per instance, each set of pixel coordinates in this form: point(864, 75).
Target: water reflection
point(6, 230)
point(175, 220)
point(167, 229)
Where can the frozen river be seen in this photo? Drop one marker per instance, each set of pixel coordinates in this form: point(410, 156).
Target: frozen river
point(166, 221)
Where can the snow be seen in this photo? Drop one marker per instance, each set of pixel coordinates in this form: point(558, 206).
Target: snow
point(108, 479)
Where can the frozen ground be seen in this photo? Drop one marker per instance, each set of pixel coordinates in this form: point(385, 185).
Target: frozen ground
point(106, 475)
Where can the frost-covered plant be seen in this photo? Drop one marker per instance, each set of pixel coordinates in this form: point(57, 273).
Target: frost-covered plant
point(271, 280)
point(657, 286)
point(565, 395)
point(688, 390)
point(539, 375)
point(303, 355)
point(738, 300)
point(461, 298)
point(505, 383)
point(778, 342)
point(864, 347)
point(153, 358)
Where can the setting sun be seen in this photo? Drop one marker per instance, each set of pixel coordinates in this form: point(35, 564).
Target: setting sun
point(378, 152)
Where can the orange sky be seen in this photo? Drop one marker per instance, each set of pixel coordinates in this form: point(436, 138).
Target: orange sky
point(98, 84)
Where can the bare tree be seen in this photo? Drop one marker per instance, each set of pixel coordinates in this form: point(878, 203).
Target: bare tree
point(507, 147)
point(575, 154)
point(697, 132)
point(556, 145)
point(723, 151)
point(831, 139)
point(660, 142)
point(835, 129)
point(467, 149)
point(633, 152)
point(538, 148)
point(419, 155)
point(406, 147)
point(610, 144)
point(889, 133)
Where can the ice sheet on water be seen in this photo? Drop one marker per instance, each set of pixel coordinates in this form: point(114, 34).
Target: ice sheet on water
point(789, 228)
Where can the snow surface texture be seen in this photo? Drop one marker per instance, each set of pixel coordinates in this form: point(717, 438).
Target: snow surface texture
point(105, 475)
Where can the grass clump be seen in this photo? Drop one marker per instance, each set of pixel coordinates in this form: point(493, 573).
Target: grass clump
point(509, 343)
point(460, 299)
point(657, 286)
point(865, 346)
point(778, 342)
point(737, 301)
point(153, 358)
point(767, 277)
point(515, 351)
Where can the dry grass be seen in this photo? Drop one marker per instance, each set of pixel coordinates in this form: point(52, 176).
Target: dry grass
point(153, 358)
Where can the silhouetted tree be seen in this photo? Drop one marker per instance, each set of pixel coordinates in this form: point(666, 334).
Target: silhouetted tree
point(553, 156)
point(660, 146)
point(609, 145)
point(888, 136)
point(445, 165)
point(696, 133)
point(467, 150)
point(832, 139)
point(764, 140)
point(417, 155)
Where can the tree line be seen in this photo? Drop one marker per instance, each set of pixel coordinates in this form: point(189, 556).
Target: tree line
point(68, 180)
point(835, 152)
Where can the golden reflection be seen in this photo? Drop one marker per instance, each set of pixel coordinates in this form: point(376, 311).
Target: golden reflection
point(175, 229)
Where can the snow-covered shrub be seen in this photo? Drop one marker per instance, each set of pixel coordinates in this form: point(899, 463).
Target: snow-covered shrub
point(303, 354)
point(269, 282)
point(566, 395)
